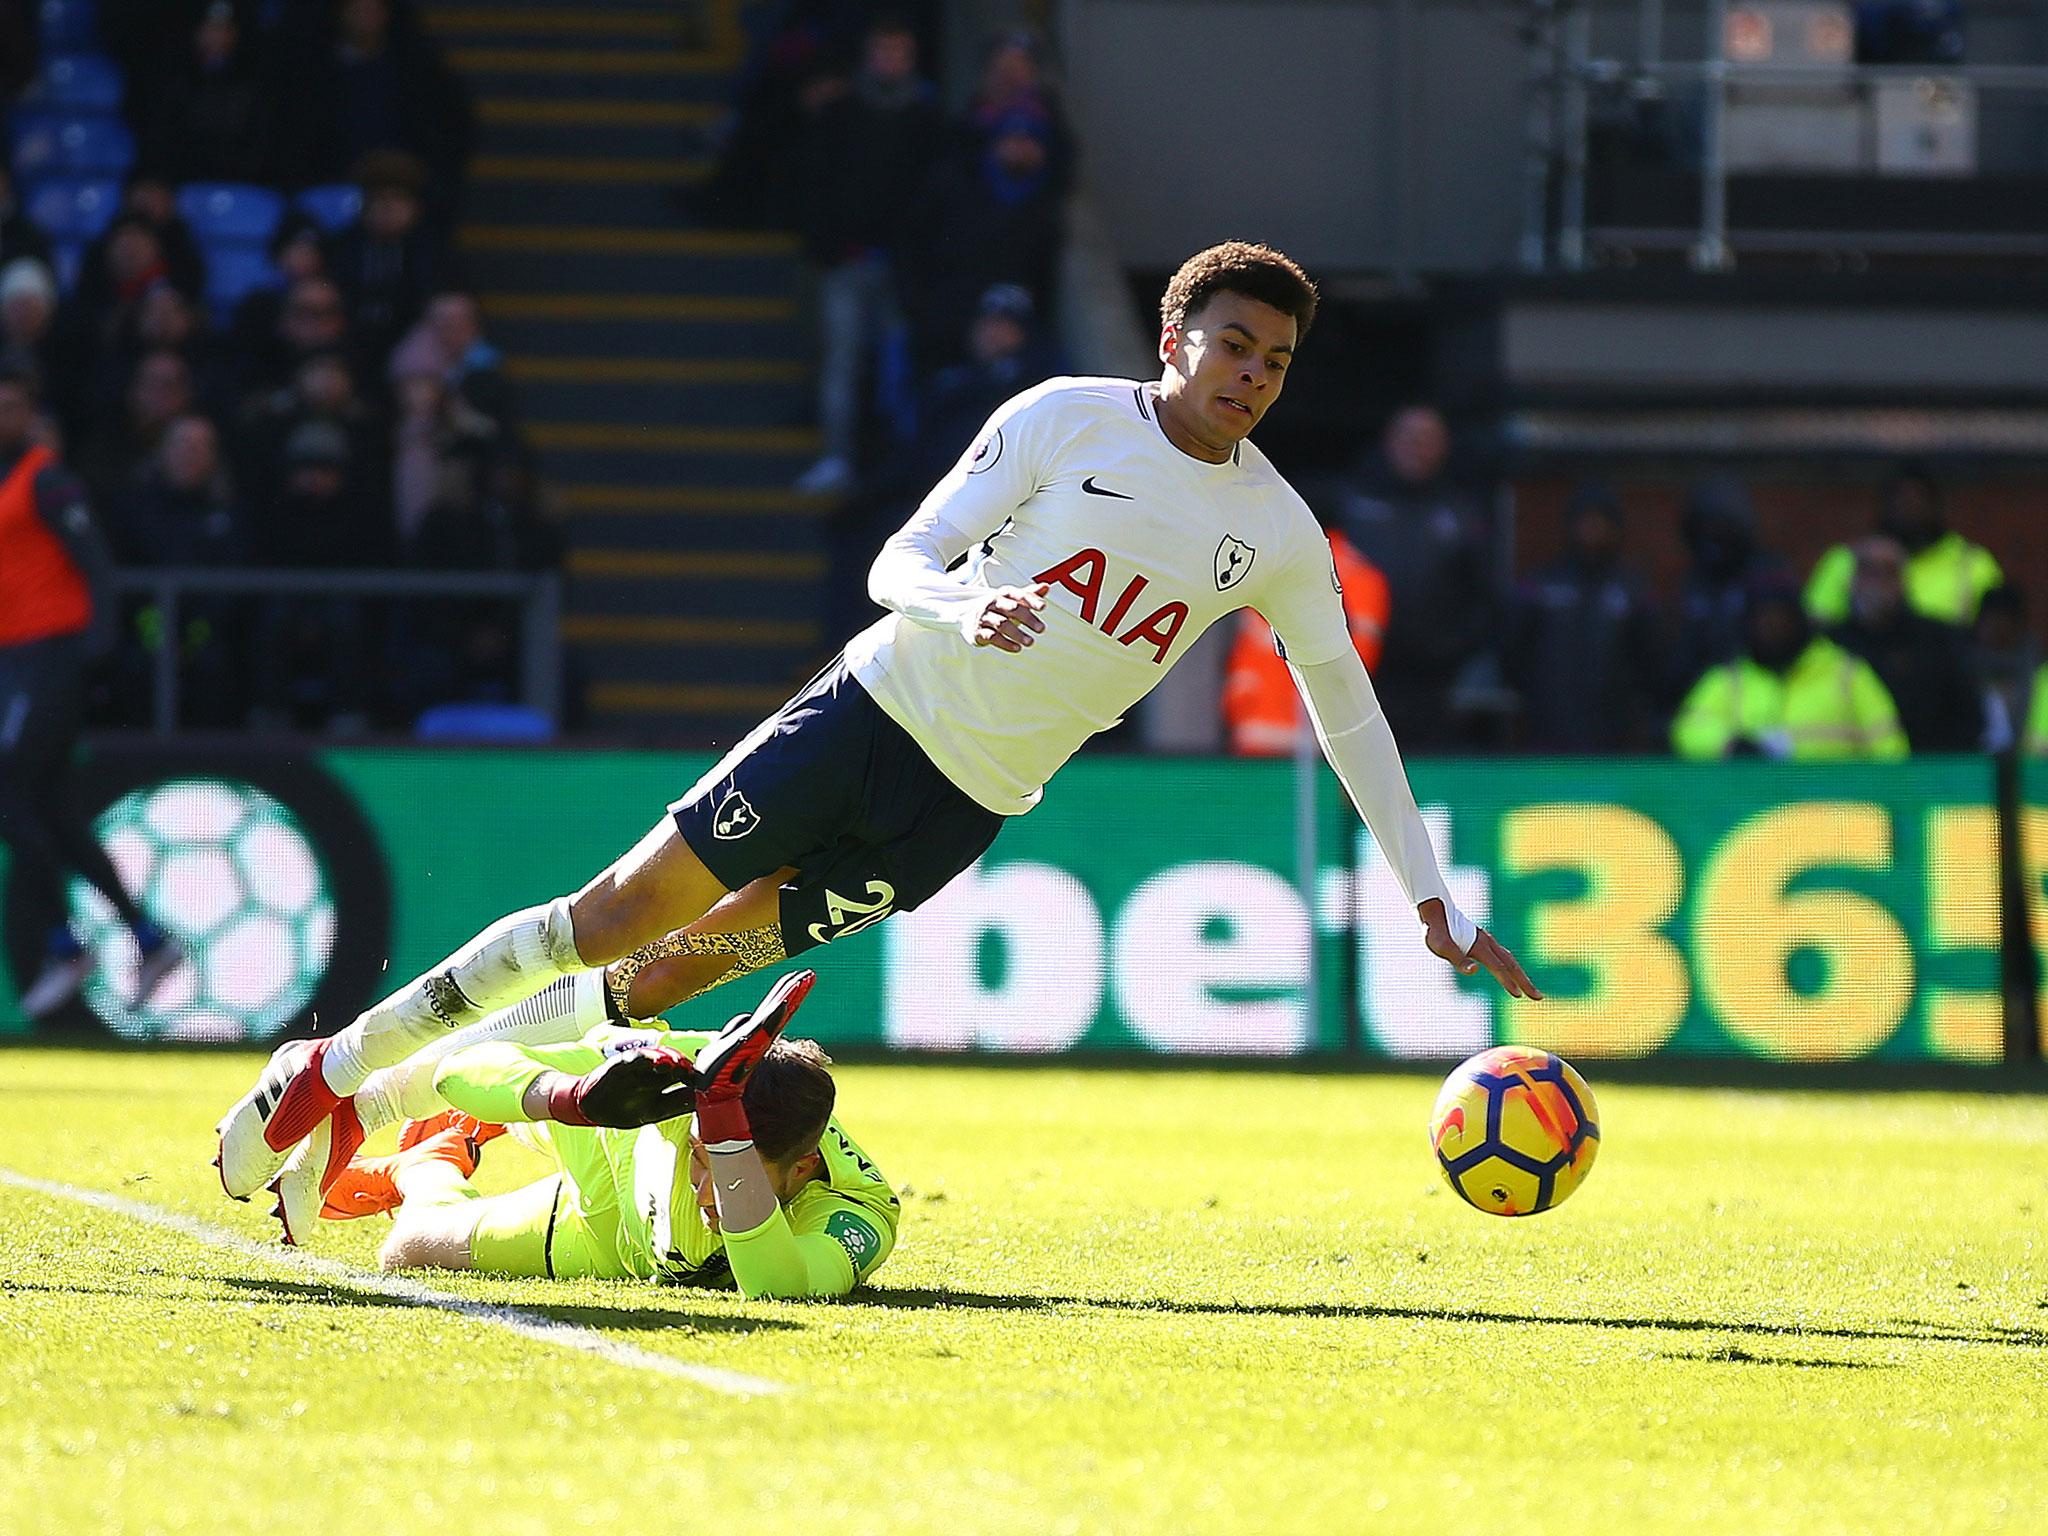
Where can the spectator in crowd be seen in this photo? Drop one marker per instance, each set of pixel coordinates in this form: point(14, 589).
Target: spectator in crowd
point(55, 619)
point(322, 389)
point(19, 234)
point(313, 319)
point(28, 310)
point(366, 77)
point(1946, 575)
point(997, 213)
point(450, 341)
point(1921, 663)
point(441, 452)
point(319, 519)
point(1405, 515)
point(162, 320)
point(387, 262)
point(866, 162)
point(203, 109)
point(800, 67)
point(1261, 705)
point(1005, 356)
point(2005, 662)
point(1725, 560)
point(154, 201)
point(1789, 694)
point(311, 654)
point(181, 511)
point(298, 250)
point(159, 392)
point(1582, 645)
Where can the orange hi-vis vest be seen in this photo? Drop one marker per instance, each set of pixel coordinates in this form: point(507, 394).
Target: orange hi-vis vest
point(1260, 705)
point(42, 592)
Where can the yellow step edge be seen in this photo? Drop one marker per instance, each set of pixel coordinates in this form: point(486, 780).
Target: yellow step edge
point(582, 169)
point(514, 110)
point(634, 437)
point(662, 631)
point(634, 306)
point(737, 565)
point(591, 61)
point(653, 370)
point(601, 240)
point(540, 21)
point(658, 500)
point(682, 698)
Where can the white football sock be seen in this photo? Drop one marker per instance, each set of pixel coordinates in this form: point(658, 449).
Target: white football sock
point(561, 1011)
point(505, 964)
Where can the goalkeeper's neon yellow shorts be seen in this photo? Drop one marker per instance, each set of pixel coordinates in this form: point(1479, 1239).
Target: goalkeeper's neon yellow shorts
point(541, 1230)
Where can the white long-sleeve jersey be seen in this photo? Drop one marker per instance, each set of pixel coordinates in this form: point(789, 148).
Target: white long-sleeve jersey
point(1075, 485)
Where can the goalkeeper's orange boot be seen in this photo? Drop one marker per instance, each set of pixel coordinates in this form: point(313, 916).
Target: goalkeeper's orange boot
point(370, 1185)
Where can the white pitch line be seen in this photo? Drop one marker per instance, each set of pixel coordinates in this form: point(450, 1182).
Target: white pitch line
point(528, 1325)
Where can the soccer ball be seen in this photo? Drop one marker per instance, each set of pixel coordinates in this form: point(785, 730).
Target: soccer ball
point(228, 871)
point(1515, 1130)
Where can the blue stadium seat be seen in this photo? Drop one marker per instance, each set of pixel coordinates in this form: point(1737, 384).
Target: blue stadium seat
point(70, 210)
point(332, 207)
point(69, 26)
point(48, 143)
point(80, 83)
point(233, 272)
point(226, 212)
point(483, 722)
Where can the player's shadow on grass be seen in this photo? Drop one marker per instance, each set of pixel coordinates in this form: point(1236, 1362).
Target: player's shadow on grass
point(582, 1314)
point(1907, 1330)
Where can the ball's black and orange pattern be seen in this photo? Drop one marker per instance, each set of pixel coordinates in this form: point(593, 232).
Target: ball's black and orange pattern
point(1515, 1130)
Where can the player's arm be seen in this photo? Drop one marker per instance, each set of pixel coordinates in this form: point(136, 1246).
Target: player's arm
point(914, 574)
point(774, 1260)
point(1353, 732)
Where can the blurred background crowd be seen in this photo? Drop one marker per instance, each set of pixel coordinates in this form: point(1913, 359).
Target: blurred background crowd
point(233, 287)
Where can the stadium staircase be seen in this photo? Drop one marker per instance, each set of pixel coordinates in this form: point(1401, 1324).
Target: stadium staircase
point(663, 367)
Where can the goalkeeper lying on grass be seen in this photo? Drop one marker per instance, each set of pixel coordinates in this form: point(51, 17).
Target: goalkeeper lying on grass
point(691, 1158)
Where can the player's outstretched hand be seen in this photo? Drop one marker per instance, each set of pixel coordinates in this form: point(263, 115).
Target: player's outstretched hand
point(1010, 618)
point(1485, 950)
point(638, 1088)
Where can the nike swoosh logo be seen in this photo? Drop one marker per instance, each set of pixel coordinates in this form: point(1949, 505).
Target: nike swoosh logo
point(1093, 489)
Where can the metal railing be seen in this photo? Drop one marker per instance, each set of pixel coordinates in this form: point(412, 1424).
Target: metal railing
point(1560, 34)
point(537, 594)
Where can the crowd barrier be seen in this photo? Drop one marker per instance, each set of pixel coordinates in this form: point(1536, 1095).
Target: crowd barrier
point(1812, 913)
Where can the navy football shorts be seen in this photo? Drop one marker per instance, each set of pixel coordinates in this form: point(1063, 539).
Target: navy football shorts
point(829, 785)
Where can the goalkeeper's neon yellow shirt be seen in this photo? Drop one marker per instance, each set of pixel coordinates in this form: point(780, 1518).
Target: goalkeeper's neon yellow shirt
point(633, 1191)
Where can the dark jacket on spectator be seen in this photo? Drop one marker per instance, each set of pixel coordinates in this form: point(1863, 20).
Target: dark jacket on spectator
point(1926, 668)
point(866, 166)
point(1582, 650)
point(338, 108)
point(1429, 541)
point(195, 124)
point(157, 523)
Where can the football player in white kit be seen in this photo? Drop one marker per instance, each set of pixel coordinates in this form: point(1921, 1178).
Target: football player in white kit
point(1104, 525)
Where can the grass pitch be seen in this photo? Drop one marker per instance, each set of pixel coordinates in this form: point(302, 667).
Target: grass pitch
point(1122, 1303)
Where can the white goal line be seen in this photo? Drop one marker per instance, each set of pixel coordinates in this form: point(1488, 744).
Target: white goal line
point(528, 1325)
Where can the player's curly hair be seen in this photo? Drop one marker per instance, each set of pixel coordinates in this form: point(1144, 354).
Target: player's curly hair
point(789, 1098)
point(1239, 266)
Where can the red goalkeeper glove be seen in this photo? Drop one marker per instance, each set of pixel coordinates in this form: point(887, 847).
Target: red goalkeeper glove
point(725, 1065)
point(635, 1089)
